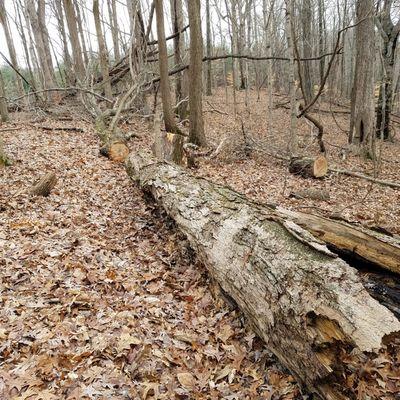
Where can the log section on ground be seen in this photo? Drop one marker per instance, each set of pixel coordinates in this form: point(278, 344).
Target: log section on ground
point(308, 305)
point(309, 167)
point(115, 151)
point(44, 185)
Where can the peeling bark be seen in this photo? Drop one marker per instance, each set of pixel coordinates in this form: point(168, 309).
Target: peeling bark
point(308, 305)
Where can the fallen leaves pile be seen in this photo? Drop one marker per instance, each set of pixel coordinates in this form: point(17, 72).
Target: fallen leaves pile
point(97, 301)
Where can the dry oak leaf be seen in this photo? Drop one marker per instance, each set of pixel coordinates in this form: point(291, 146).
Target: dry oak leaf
point(126, 340)
point(187, 380)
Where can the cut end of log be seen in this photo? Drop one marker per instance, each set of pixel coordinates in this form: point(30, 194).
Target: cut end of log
point(116, 151)
point(309, 167)
point(320, 167)
point(45, 185)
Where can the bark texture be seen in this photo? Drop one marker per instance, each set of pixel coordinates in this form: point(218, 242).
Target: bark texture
point(309, 306)
point(103, 55)
point(309, 167)
point(362, 124)
point(196, 122)
point(45, 185)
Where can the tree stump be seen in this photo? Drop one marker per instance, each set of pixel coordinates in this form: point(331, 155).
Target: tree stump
point(45, 185)
point(309, 167)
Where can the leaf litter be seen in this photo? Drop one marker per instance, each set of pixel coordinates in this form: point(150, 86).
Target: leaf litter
point(98, 297)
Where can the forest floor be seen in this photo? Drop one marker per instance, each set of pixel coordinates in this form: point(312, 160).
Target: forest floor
point(97, 298)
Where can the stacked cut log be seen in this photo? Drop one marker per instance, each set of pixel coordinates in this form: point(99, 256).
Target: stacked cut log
point(307, 304)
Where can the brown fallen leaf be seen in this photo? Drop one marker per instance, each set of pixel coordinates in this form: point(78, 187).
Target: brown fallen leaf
point(187, 380)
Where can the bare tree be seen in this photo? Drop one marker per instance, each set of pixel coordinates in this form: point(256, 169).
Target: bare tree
point(196, 131)
point(208, 51)
point(362, 124)
point(169, 119)
point(38, 23)
point(390, 33)
point(10, 45)
point(292, 143)
point(181, 78)
point(103, 56)
point(74, 38)
point(112, 12)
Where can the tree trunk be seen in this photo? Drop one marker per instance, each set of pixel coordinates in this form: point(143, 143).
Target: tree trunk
point(112, 12)
point(306, 20)
point(292, 140)
point(385, 101)
point(389, 32)
point(74, 38)
point(3, 102)
point(362, 126)
point(181, 90)
point(36, 20)
point(169, 118)
point(80, 19)
point(208, 40)
point(11, 47)
point(103, 56)
point(67, 58)
point(196, 122)
point(308, 305)
point(4, 160)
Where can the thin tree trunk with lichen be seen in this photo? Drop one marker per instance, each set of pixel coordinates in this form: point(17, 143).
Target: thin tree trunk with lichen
point(3, 102)
point(196, 122)
point(362, 121)
point(308, 305)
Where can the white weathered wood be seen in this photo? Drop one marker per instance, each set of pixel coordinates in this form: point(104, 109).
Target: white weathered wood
point(308, 305)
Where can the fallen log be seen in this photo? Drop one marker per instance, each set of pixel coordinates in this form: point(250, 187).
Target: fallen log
point(311, 193)
point(361, 243)
point(45, 185)
point(309, 167)
point(308, 305)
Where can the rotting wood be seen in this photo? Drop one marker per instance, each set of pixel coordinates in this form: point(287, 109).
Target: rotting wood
point(45, 185)
point(308, 305)
point(311, 193)
point(361, 242)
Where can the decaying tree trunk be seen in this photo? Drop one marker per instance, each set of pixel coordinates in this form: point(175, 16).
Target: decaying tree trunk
point(358, 242)
point(45, 185)
point(308, 305)
point(309, 167)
